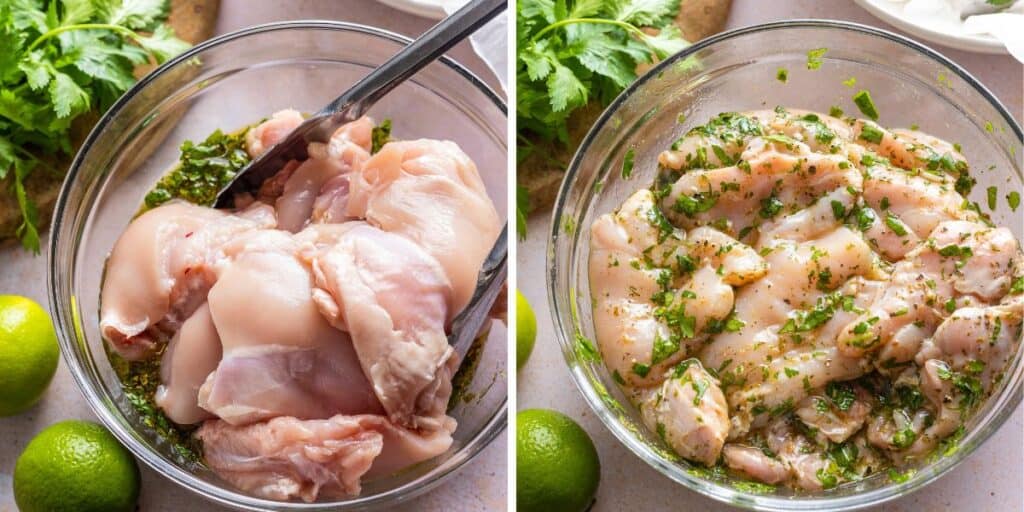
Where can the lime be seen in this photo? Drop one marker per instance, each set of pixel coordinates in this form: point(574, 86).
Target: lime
point(75, 466)
point(526, 329)
point(28, 353)
point(556, 463)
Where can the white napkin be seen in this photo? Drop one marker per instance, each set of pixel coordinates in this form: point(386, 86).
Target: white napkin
point(1007, 27)
point(490, 42)
point(944, 16)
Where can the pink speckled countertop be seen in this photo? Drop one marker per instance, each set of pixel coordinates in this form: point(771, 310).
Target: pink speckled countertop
point(990, 480)
point(479, 486)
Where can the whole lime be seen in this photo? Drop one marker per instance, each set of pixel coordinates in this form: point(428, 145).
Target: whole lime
point(75, 466)
point(556, 464)
point(526, 329)
point(28, 353)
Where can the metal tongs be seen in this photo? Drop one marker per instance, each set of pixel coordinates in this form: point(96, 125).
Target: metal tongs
point(352, 105)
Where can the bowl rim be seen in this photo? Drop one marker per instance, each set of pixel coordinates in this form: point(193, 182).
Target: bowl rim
point(224, 494)
point(561, 315)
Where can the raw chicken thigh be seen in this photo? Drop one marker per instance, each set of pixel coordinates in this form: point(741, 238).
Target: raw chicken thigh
point(431, 193)
point(394, 299)
point(162, 267)
point(191, 355)
point(806, 300)
point(306, 332)
point(289, 363)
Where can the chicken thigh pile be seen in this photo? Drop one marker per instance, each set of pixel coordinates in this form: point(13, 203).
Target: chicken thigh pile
point(305, 330)
point(804, 299)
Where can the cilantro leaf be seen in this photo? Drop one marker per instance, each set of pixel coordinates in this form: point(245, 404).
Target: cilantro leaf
point(135, 14)
point(565, 88)
point(162, 44)
point(645, 12)
point(68, 98)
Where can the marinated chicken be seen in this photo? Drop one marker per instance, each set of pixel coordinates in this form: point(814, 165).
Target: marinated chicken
point(305, 332)
point(806, 300)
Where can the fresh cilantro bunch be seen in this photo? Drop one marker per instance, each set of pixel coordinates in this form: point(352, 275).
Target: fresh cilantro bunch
point(58, 60)
point(572, 52)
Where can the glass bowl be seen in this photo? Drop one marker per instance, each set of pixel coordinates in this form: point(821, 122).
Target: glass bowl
point(736, 71)
point(227, 83)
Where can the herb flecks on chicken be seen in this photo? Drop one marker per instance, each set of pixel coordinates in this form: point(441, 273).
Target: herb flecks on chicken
point(806, 300)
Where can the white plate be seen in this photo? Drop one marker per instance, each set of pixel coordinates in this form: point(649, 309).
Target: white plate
point(892, 13)
point(424, 8)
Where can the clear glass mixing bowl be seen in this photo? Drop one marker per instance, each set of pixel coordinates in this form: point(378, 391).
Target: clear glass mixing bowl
point(736, 71)
point(229, 82)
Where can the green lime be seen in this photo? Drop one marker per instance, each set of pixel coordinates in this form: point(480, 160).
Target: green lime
point(556, 463)
point(526, 329)
point(28, 353)
point(75, 466)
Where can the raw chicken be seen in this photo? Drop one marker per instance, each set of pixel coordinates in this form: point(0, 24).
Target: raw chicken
point(431, 193)
point(160, 269)
point(623, 287)
point(323, 179)
point(689, 413)
point(307, 327)
point(286, 458)
point(393, 299)
point(853, 308)
point(289, 363)
point(192, 354)
point(754, 463)
point(271, 131)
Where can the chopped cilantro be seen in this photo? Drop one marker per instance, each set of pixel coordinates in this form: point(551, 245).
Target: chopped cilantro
point(897, 477)
point(865, 217)
point(904, 438)
point(627, 164)
point(782, 75)
point(641, 369)
point(700, 386)
point(698, 203)
point(203, 170)
point(827, 479)
point(770, 207)
point(814, 57)
point(841, 394)
point(838, 210)
point(864, 103)
point(835, 111)
point(585, 349)
point(949, 445)
point(871, 134)
point(380, 135)
point(1017, 287)
point(663, 348)
point(785, 140)
point(895, 225)
point(1013, 200)
point(723, 158)
point(993, 196)
point(824, 280)
point(807, 320)
point(956, 251)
